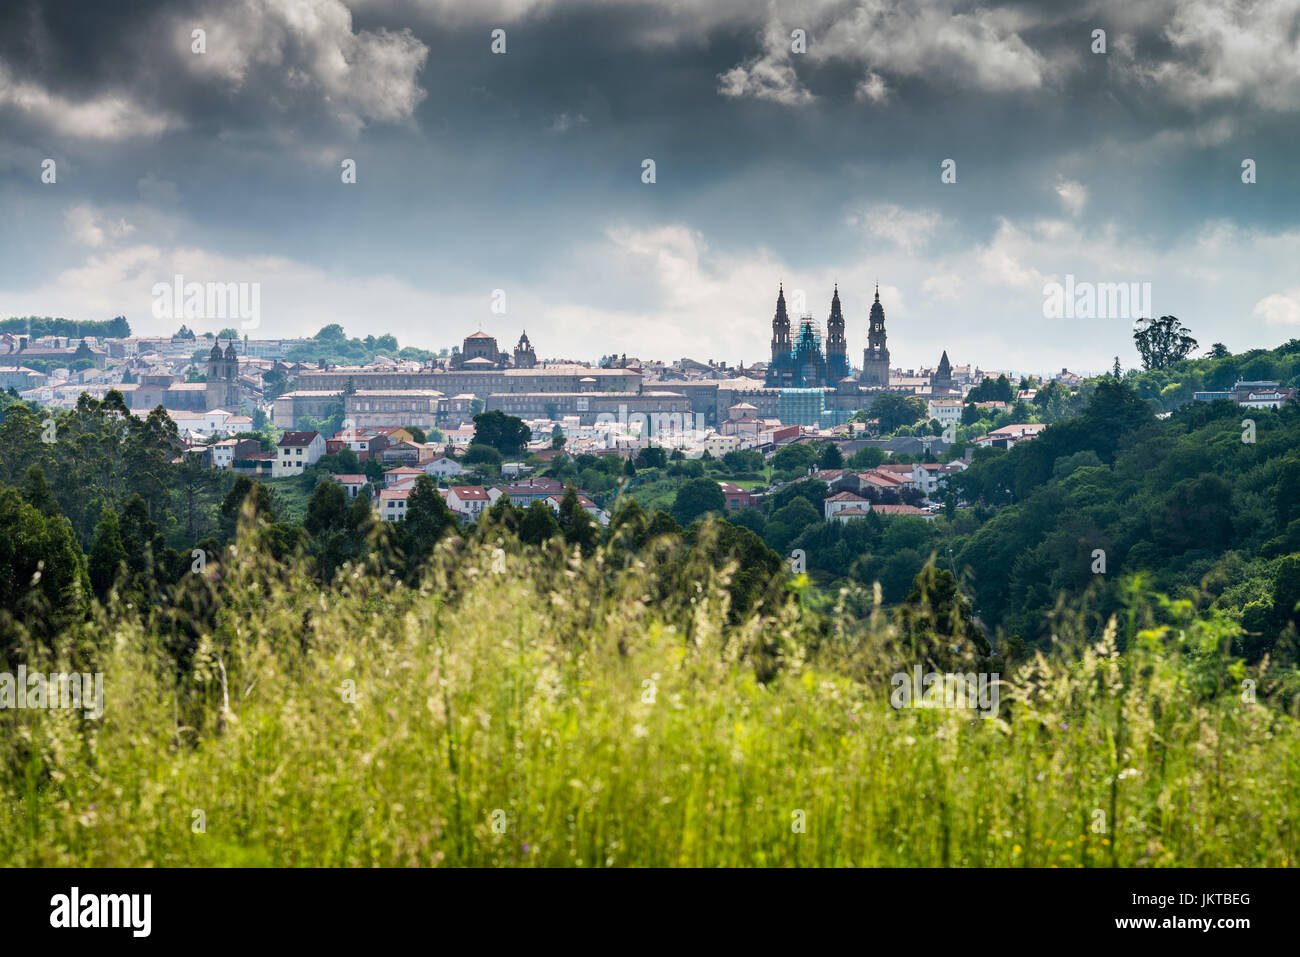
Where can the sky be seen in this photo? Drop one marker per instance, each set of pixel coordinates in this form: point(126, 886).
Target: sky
point(505, 191)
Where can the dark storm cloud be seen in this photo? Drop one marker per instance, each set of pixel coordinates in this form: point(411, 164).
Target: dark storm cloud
point(478, 169)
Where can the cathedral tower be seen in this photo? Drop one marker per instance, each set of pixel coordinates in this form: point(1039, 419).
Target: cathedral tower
point(837, 349)
point(781, 343)
point(942, 379)
point(222, 390)
point(525, 357)
point(875, 358)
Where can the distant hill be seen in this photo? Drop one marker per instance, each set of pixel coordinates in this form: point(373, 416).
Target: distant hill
point(35, 326)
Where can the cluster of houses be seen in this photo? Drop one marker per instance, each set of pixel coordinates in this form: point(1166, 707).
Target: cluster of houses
point(297, 451)
point(466, 501)
point(1259, 394)
point(856, 494)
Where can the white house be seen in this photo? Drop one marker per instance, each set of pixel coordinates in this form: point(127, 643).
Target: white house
point(401, 475)
point(844, 500)
point(932, 476)
point(468, 500)
point(442, 466)
point(845, 515)
point(947, 411)
point(392, 504)
point(296, 451)
point(352, 484)
point(223, 453)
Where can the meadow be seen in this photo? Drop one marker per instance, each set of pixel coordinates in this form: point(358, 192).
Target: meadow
point(525, 707)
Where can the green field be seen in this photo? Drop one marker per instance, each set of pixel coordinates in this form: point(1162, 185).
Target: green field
point(545, 712)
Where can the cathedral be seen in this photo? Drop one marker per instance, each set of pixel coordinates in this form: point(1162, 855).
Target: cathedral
point(801, 360)
point(525, 356)
point(222, 389)
point(480, 352)
point(875, 357)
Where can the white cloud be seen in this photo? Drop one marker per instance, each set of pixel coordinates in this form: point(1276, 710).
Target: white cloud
point(90, 228)
point(908, 229)
point(769, 76)
point(307, 49)
point(871, 88)
point(111, 116)
point(940, 42)
point(1073, 196)
point(945, 287)
point(1225, 50)
point(1280, 309)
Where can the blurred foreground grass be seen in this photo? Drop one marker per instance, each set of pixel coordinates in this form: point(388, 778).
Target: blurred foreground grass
point(550, 714)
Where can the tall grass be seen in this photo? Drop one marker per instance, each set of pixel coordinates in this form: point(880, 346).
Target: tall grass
point(552, 714)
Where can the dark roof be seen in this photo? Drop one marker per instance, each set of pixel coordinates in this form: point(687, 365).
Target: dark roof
point(298, 438)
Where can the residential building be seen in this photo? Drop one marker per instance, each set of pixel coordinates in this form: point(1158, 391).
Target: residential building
point(392, 504)
point(737, 497)
point(523, 494)
point(442, 467)
point(844, 500)
point(296, 451)
point(468, 501)
point(947, 410)
point(404, 473)
point(352, 484)
point(849, 513)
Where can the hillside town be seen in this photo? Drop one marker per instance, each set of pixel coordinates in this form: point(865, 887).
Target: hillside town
point(248, 405)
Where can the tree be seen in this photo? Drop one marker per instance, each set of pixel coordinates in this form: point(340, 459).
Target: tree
point(1116, 371)
point(992, 390)
point(867, 457)
point(1162, 342)
point(744, 460)
point(32, 542)
point(578, 527)
point(938, 625)
point(1219, 351)
point(557, 438)
point(894, 410)
point(417, 434)
point(696, 498)
point(37, 492)
point(539, 524)
point(106, 554)
point(245, 490)
point(831, 457)
point(480, 454)
point(505, 433)
point(428, 519)
point(795, 457)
